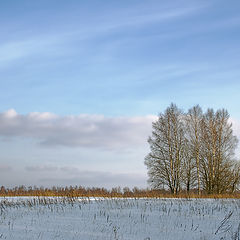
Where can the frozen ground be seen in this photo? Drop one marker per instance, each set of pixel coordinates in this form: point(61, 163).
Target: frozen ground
point(122, 219)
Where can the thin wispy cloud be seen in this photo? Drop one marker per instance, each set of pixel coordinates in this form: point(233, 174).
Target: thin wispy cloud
point(48, 43)
point(43, 45)
point(134, 19)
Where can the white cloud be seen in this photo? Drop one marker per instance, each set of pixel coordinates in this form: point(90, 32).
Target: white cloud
point(92, 131)
point(11, 113)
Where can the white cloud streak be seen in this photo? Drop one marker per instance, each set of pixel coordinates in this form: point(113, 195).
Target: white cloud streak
point(47, 45)
point(54, 43)
point(134, 19)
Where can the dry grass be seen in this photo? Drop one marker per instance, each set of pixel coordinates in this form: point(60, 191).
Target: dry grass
point(79, 191)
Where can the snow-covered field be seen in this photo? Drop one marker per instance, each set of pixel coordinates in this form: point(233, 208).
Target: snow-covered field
point(122, 219)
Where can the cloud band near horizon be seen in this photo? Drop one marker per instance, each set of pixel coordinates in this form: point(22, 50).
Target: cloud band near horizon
point(84, 130)
point(91, 131)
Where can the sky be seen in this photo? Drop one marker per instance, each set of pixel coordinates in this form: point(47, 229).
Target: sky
point(82, 81)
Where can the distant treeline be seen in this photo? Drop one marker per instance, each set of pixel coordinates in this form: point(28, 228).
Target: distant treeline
point(79, 191)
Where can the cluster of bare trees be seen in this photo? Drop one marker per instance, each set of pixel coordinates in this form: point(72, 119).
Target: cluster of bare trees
point(193, 151)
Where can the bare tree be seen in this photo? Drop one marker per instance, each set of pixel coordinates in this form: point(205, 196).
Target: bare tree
point(167, 142)
point(193, 122)
point(218, 145)
point(189, 175)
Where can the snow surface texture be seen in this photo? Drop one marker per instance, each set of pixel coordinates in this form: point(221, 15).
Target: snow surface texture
point(122, 219)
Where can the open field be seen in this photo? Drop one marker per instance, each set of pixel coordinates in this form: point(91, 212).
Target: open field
point(122, 219)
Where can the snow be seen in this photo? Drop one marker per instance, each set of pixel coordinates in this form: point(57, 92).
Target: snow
point(122, 219)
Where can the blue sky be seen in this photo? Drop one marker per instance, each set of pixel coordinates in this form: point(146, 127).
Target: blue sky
point(107, 63)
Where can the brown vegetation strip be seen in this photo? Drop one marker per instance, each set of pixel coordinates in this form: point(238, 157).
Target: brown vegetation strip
point(79, 191)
